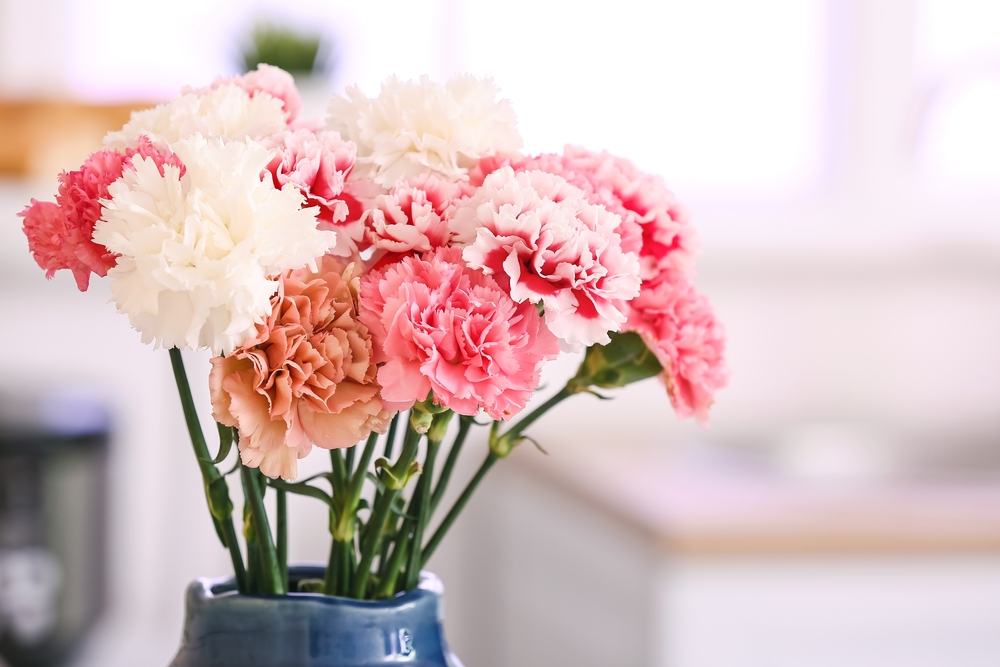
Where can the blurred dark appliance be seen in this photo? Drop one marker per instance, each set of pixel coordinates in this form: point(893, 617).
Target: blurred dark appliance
point(53, 453)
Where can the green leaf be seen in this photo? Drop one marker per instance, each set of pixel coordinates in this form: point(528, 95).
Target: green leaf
point(399, 511)
point(302, 489)
point(226, 437)
point(324, 475)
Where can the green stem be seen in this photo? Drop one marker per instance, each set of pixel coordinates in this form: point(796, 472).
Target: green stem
point(339, 574)
point(464, 424)
point(457, 508)
point(394, 479)
point(216, 489)
point(395, 528)
point(338, 478)
point(331, 583)
point(390, 440)
point(282, 546)
point(271, 580)
point(514, 431)
point(229, 530)
point(349, 461)
point(422, 495)
point(387, 584)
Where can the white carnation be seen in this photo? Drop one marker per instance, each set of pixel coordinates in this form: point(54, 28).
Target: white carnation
point(417, 126)
point(228, 112)
point(199, 252)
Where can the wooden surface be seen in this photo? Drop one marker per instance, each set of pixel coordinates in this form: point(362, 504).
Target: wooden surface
point(40, 138)
point(705, 508)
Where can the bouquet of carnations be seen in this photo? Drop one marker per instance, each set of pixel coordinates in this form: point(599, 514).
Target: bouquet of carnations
point(364, 280)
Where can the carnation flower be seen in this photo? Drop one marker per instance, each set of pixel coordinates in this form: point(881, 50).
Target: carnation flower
point(59, 234)
point(317, 164)
point(228, 112)
point(306, 377)
point(680, 328)
point(654, 224)
point(198, 251)
point(418, 126)
point(413, 217)
point(540, 236)
point(272, 81)
point(439, 326)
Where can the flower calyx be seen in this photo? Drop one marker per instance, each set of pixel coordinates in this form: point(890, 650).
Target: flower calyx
point(423, 413)
point(502, 445)
point(396, 479)
point(626, 359)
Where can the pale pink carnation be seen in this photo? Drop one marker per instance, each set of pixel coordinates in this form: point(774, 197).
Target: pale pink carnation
point(680, 328)
point(541, 238)
point(413, 216)
point(307, 377)
point(60, 234)
point(444, 329)
point(317, 163)
point(271, 80)
point(654, 223)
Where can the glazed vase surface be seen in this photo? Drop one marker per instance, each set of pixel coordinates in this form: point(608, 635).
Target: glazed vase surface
point(223, 628)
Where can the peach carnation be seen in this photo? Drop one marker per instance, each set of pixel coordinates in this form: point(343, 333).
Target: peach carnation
point(541, 237)
point(413, 217)
point(654, 223)
point(306, 377)
point(681, 329)
point(60, 234)
point(272, 81)
point(442, 327)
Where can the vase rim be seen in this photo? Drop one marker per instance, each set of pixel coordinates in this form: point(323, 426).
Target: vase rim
point(225, 587)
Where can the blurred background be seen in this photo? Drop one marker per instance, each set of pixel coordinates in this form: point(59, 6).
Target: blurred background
point(842, 159)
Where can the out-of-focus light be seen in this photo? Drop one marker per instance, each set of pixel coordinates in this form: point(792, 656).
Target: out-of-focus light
point(721, 96)
point(957, 57)
point(960, 153)
point(953, 31)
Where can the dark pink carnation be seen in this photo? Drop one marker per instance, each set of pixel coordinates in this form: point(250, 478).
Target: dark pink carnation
point(317, 163)
point(412, 217)
point(439, 326)
point(654, 223)
point(541, 237)
point(271, 80)
point(60, 234)
point(680, 328)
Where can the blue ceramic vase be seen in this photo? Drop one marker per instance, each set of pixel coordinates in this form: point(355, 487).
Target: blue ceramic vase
point(223, 628)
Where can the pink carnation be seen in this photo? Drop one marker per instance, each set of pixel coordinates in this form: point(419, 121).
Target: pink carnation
point(680, 328)
point(442, 327)
point(412, 217)
point(317, 164)
point(541, 238)
point(60, 234)
point(308, 376)
point(271, 80)
point(654, 223)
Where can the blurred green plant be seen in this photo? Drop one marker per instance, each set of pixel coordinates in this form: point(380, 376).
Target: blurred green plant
point(283, 46)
